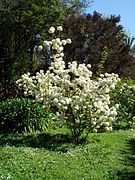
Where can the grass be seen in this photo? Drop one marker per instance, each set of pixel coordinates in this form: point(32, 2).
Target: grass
point(54, 156)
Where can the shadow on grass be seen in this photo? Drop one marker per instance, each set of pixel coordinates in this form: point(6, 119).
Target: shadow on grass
point(129, 162)
point(57, 142)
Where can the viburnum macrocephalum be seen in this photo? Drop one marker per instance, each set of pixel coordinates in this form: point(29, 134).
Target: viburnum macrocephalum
point(81, 102)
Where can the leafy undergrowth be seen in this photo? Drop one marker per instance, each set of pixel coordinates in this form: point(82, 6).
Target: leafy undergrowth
point(54, 156)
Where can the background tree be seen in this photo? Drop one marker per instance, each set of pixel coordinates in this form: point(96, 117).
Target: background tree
point(20, 21)
point(90, 34)
point(76, 7)
point(129, 40)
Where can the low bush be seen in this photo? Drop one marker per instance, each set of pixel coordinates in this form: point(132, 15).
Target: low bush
point(124, 94)
point(17, 115)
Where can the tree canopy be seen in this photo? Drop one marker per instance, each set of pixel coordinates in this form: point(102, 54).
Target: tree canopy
point(91, 35)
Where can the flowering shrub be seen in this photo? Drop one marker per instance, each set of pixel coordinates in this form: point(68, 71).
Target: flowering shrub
point(81, 102)
point(124, 93)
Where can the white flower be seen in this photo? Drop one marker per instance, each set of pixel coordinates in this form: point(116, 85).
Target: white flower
point(64, 42)
point(110, 128)
point(42, 72)
point(107, 129)
point(77, 107)
point(65, 107)
point(53, 41)
point(55, 46)
point(62, 101)
point(68, 100)
point(40, 48)
point(55, 100)
point(57, 114)
point(111, 118)
point(94, 123)
point(19, 85)
point(95, 104)
point(68, 41)
point(101, 75)
point(59, 28)
point(46, 43)
point(25, 93)
point(107, 124)
point(58, 40)
point(41, 99)
point(107, 90)
point(95, 130)
point(59, 104)
point(113, 113)
point(62, 54)
point(89, 65)
point(59, 49)
point(39, 80)
point(117, 106)
point(51, 30)
point(100, 103)
point(113, 86)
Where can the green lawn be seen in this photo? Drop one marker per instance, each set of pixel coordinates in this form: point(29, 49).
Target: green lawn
point(53, 156)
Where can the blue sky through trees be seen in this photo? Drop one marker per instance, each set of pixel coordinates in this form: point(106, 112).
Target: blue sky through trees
point(124, 8)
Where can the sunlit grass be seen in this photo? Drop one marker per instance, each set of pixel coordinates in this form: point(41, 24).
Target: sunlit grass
point(53, 155)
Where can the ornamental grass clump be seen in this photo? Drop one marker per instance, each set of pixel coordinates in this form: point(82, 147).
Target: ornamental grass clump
point(22, 115)
point(81, 102)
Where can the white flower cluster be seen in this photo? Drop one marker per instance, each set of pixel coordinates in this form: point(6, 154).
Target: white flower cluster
point(52, 29)
point(77, 97)
point(125, 95)
point(56, 44)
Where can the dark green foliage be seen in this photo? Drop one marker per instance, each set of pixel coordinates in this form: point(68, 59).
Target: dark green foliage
point(20, 21)
point(90, 34)
point(130, 41)
point(124, 95)
point(76, 7)
point(103, 60)
point(17, 115)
